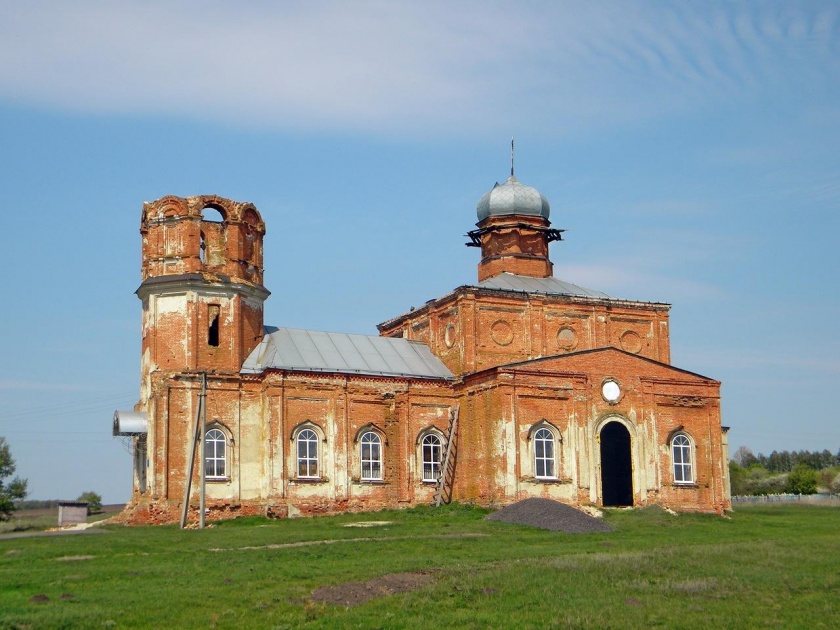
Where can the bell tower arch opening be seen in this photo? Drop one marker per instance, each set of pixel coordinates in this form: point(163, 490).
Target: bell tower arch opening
point(202, 292)
point(616, 465)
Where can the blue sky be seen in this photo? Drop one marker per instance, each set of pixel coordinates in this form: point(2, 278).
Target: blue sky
point(690, 150)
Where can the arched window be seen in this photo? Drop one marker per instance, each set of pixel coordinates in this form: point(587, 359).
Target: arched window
point(681, 450)
point(307, 454)
point(431, 446)
point(371, 456)
point(544, 464)
point(215, 454)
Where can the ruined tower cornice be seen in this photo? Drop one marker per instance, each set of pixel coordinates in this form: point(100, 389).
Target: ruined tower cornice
point(206, 283)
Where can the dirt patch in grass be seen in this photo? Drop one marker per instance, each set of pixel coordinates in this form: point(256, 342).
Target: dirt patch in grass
point(551, 515)
point(73, 558)
point(354, 593)
point(333, 541)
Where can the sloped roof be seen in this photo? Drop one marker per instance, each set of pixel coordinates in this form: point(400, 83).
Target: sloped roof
point(549, 286)
point(315, 351)
point(573, 357)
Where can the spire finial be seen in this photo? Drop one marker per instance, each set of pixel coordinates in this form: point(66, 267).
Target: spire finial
point(511, 157)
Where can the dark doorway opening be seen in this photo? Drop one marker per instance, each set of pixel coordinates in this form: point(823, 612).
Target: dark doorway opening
point(616, 466)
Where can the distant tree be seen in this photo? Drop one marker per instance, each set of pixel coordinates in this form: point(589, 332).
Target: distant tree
point(94, 501)
point(777, 462)
point(802, 480)
point(826, 476)
point(835, 485)
point(737, 479)
point(756, 480)
point(744, 457)
point(13, 490)
point(36, 504)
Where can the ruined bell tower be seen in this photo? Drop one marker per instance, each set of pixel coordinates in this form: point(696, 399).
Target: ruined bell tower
point(202, 288)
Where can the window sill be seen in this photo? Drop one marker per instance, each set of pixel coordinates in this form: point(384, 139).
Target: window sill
point(217, 479)
point(686, 484)
point(547, 480)
point(308, 481)
point(369, 482)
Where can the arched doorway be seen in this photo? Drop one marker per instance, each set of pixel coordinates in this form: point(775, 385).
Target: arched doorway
point(616, 466)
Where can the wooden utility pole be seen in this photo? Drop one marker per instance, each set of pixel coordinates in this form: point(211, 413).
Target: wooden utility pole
point(203, 451)
point(199, 425)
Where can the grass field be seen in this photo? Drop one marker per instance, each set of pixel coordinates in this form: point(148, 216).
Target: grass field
point(767, 566)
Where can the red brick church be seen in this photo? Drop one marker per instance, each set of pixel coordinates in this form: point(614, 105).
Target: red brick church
point(518, 385)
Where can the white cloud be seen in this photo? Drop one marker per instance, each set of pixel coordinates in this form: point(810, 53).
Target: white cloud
point(382, 66)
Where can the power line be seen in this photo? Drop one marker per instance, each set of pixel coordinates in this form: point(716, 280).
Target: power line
point(69, 409)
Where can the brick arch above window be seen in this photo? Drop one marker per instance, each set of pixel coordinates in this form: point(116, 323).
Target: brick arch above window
point(368, 428)
point(544, 424)
point(431, 429)
point(308, 424)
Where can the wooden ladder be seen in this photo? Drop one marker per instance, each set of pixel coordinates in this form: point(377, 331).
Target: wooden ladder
point(446, 472)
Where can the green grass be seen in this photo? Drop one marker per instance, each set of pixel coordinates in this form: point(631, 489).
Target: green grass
point(767, 566)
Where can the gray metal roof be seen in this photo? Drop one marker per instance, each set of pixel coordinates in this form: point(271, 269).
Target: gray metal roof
point(512, 197)
point(549, 286)
point(314, 351)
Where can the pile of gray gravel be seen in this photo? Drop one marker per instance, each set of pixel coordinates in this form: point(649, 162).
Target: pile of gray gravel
point(551, 515)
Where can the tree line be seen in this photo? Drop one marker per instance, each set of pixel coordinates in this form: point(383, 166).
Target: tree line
point(796, 472)
point(786, 461)
point(93, 499)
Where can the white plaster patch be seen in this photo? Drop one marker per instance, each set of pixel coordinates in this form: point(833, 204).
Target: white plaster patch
point(170, 304)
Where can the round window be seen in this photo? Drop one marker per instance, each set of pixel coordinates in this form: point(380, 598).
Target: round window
point(611, 391)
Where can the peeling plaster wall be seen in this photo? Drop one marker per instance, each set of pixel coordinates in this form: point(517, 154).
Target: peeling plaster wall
point(262, 419)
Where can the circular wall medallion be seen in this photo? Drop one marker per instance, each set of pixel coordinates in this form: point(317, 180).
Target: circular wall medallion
point(611, 391)
point(449, 335)
point(566, 338)
point(501, 332)
point(631, 342)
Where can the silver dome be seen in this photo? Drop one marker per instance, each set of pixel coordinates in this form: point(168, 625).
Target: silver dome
point(512, 198)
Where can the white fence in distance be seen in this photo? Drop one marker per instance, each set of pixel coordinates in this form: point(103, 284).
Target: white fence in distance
point(786, 498)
